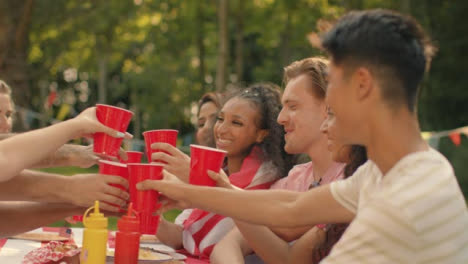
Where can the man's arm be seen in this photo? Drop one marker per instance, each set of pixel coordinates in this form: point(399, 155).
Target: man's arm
point(70, 155)
point(19, 217)
point(6, 135)
point(80, 190)
point(231, 249)
point(276, 208)
point(66, 155)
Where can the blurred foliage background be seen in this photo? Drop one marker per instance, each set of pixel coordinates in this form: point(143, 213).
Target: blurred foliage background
point(157, 57)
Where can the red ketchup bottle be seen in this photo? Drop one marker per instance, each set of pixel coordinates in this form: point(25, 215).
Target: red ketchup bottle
point(127, 238)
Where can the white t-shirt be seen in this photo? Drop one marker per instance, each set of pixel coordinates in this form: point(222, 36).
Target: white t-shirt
point(415, 214)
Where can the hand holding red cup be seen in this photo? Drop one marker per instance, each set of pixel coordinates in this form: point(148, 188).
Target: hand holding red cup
point(145, 202)
point(161, 135)
point(203, 159)
point(115, 118)
point(133, 157)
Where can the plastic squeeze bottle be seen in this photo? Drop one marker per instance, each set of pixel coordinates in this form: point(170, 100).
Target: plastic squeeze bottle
point(94, 237)
point(127, 238)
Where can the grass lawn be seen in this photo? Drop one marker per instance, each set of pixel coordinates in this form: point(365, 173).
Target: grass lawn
point(169, 216)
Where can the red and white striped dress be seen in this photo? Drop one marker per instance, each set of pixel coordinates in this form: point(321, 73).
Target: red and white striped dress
point(202, 230)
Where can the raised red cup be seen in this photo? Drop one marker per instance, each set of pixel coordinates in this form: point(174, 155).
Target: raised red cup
point(145, 202)
point(203, 159)
point(115, 118)
point(149, 223)
point(133, 157)
point(160, 135)
point(107, 167)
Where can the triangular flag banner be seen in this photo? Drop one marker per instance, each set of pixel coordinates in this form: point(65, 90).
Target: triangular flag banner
point(456, 138)
point(63, 111)
point(464, 130)
point(51, 99)
point(426, 135)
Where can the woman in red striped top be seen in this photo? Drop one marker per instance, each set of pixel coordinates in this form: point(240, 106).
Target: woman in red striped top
point(246, 128)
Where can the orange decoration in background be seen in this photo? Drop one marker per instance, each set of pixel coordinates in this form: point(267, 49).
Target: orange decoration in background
point(456, 138)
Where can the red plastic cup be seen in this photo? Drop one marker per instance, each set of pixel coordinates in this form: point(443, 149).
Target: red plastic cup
point(203, 159)
point(161, 135)
point(115, 118)
point(114, 168)
point(144, 201)
point(133, 157)
point(149, 223)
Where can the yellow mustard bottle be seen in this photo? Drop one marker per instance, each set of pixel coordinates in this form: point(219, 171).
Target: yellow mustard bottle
point(94, 237)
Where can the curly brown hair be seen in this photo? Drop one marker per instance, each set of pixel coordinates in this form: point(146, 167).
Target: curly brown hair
point(266, 97)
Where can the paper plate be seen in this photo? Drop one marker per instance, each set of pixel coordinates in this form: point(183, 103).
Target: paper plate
point(149, 239)
point(48, 236)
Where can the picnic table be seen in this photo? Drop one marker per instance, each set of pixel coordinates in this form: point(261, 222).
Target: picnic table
point(12, 250)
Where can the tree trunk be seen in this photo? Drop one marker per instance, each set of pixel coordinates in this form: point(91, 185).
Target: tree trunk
point(285, 36)
point(405, 6)
point(15, 20)
point(102, 81)
point(200, 44)
point(136, 113)
point(223, 45)
point(240, 41)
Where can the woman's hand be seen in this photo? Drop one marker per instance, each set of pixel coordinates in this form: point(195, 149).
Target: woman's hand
point(221, 179)
point(84, 189)
point(88, 124)
point(177, 162)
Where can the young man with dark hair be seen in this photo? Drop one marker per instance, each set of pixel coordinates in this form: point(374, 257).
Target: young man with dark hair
point(404, 204)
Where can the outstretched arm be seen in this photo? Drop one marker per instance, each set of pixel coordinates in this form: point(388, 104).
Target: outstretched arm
point(80, 190)
point(70, 155)
point(277, 208)
point(19, 217)
point(66, 155)
point(24, 150)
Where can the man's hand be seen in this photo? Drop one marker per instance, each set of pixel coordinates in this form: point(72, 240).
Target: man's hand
point(172, 197)
point(84, 189)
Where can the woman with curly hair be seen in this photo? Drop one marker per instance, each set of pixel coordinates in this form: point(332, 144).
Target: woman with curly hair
point(247, 130)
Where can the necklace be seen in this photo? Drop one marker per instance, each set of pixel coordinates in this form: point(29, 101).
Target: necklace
point(315, 183)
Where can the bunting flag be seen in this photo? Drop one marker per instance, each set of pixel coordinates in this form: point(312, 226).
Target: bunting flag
point(456, 138)
point(433, 138)
point(51, 99)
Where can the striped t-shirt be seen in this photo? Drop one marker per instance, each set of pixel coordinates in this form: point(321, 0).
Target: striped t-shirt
point(415, 214)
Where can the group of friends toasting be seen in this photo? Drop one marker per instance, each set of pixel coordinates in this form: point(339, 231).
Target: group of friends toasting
point(370, 191)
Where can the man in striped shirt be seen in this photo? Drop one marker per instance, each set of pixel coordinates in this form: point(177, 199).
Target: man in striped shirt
point(404, 204)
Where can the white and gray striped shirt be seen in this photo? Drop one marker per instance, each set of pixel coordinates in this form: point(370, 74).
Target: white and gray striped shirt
point(416, 213)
